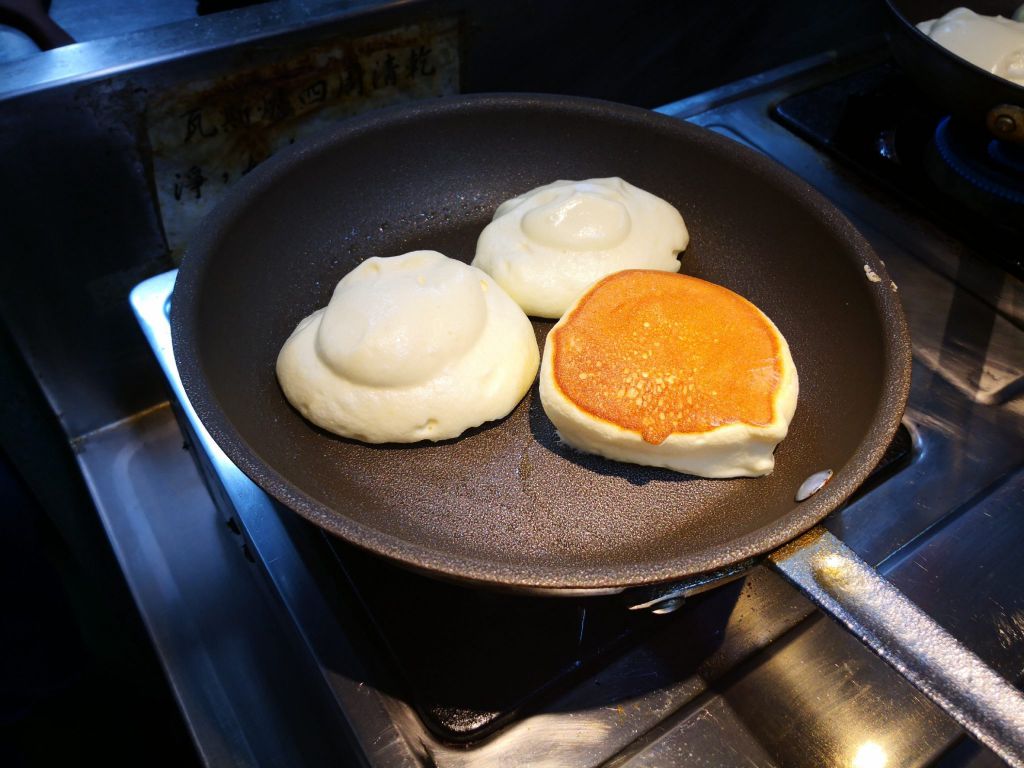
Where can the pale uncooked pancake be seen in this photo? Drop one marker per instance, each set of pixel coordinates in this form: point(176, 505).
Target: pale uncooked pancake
point(550, 244)
point(994, 43)
point(670, 371)
point(413, 347)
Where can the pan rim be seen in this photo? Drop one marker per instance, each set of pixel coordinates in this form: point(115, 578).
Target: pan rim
point(542, 577)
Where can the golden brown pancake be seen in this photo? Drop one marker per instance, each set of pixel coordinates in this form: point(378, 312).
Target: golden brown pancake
point(658, 355)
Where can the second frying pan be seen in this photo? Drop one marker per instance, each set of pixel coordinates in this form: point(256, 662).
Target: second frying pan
point(977, 97)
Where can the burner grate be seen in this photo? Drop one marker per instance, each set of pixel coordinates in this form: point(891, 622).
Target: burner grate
point(878, 123)
point(982, 176)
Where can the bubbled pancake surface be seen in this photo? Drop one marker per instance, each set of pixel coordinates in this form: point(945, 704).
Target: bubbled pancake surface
point(658, 353)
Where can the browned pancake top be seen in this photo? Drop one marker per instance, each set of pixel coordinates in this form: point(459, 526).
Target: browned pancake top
point(660, 353)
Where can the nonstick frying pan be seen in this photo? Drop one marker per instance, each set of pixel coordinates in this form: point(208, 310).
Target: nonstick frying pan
point(976, 96)
point(507, 505)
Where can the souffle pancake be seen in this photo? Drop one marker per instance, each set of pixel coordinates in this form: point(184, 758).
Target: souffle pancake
point(672, 371)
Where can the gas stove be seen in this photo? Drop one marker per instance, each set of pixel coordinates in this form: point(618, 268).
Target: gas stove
point(875, 120)
point(339, 654)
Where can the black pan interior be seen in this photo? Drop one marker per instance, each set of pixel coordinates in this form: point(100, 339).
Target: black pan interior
point(507, 504)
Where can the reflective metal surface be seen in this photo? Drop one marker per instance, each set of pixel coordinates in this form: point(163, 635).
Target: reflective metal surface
point(257, 700)
point(305, 597)
point(110, 53)
point(892, 626)
point(91, 19)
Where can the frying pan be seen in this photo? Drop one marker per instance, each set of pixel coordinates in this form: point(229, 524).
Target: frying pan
point(507, 505)
point(975, 95)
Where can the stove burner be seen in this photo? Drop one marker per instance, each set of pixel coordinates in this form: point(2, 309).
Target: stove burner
point(877, 122)
point(982, 173)
point(1009, 156)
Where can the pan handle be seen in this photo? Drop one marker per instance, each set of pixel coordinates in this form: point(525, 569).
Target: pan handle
point(937, 664)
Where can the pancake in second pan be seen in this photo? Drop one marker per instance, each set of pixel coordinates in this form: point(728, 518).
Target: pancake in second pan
point(670, 371)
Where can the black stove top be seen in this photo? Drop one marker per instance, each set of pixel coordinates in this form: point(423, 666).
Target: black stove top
point(878, 123)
